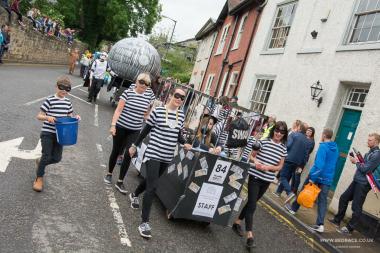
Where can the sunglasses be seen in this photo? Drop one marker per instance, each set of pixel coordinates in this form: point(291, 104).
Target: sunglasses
point(179, 96)
point(281, 131)
point(64, 87)
point(143, 83)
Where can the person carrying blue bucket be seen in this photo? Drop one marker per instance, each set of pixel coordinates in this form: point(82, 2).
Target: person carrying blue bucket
point(57, 109)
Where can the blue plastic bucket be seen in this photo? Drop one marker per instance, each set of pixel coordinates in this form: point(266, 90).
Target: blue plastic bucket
point(67, 130)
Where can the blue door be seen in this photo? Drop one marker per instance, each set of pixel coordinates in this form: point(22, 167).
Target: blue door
point(344, 137)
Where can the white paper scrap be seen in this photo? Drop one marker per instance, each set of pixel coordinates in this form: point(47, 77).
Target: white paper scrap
point(182, 154)
point(171, 168)
point(190, 155)
point(194, 187)
point(237, 170)
point(230, 197)
point(224, 209)
point(203, 162)
point(235, 185)
point(201, 172)
point(238, 204)
point(185, 172)
point(179, 169)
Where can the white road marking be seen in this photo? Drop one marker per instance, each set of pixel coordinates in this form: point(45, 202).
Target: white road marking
point(79, 98)
point(11, 149)
point(96, 119)
point(40, 99)
point(124, 239)
point(83, 90)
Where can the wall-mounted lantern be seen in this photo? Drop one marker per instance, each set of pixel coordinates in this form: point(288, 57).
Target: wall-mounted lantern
point(316, 90)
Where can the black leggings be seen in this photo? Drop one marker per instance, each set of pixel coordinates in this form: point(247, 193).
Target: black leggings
point(154, 169)
point(256, 189)
point(122, 139)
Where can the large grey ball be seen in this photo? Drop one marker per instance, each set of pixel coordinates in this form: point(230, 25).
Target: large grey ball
point(131, 56)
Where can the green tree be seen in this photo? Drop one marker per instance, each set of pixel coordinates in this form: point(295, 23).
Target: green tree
point(98, 20)
point(176, 61)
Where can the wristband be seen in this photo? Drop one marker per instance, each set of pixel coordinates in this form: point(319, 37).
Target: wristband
point(113, 125)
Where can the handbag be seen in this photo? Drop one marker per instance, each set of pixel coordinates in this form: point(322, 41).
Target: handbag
point(308, 195)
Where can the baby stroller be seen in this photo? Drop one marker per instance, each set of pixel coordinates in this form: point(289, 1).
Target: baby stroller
point(117, 85)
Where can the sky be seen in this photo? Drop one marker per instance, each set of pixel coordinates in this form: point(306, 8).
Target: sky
point(190, 15)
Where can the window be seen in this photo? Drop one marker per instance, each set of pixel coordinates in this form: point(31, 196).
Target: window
point(357, 97)
point(282, 23)
point(243, 20)
point(232, 84)
point(209, 83)
point(213, 40)
point(223, 84)
point(222, 40)
point(261, 95)
point(365, 26)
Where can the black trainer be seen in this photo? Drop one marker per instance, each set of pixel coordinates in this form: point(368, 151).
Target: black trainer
point(251, 243)
point(237, 229)
point(145, 230)
point(134, 201)
point(120, 186)
point(108, 179)
point(332, 221)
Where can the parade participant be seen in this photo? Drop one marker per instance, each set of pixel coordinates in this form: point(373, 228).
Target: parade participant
point(54, 107)
point(98, 71)
point(267, 160)
point(358, 189)
point(164, 125)
point(205, 138)
point(126, 124)
point(74, 56)
point(322, 174)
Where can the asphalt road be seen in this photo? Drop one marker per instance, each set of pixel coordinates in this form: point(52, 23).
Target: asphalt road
point(76, 212)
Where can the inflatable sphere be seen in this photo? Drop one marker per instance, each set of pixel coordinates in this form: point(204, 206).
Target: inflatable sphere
point(131, 56)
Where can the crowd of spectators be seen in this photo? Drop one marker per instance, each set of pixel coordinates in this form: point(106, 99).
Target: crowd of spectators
point(40, 22)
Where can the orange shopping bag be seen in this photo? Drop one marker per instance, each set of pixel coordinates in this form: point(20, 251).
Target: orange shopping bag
point(308, 195)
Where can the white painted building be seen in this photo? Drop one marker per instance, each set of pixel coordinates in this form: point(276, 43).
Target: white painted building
point(335, 42)
point(206, 35)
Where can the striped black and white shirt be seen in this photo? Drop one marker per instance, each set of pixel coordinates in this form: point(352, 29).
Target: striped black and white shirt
point(163, 138)
point(55, 107)
point(132, 116)
point(270, 153)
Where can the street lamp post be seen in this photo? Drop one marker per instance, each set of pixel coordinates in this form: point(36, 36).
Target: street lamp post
point(171, 37)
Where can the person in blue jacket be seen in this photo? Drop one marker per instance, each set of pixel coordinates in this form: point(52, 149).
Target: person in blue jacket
point(322, 174)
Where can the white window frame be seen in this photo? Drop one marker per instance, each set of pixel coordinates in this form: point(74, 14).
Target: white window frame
point(224, 81)
point(222, 40)
point(271, 31)
point(210, 79)
point(232, 82)
point(358, 91)
point(257, 101)
point(353, 21)
point(243, 21)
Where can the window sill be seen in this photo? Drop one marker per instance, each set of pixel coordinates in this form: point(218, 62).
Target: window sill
point(273, 51)
point(310, 51)
point(216, 54)
point(358, 47)
point(235, 48)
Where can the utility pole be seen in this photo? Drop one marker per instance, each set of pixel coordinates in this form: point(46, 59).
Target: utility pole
point(171, 37)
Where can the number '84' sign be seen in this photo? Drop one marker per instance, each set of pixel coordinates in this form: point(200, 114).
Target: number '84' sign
point(220, 171)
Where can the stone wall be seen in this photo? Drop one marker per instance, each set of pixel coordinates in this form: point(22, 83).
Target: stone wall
point(30, 46)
